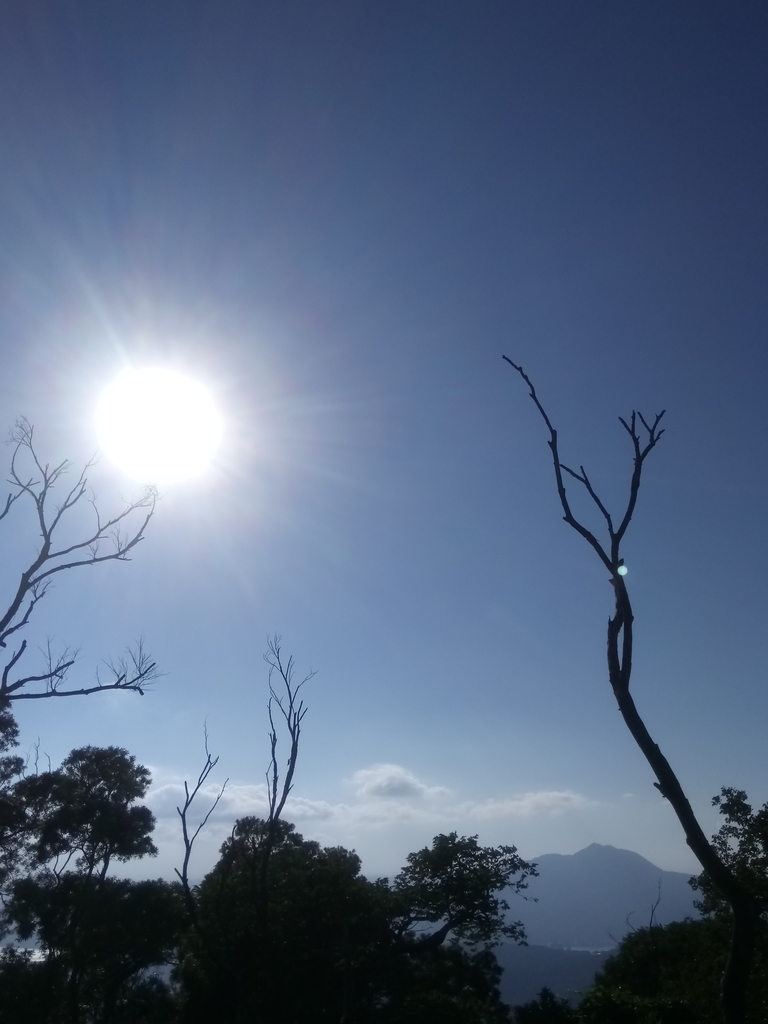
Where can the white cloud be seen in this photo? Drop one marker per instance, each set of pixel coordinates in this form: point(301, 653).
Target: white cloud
point(388, 811)
point(392, 781)
point(527, 805)
point(386, 794)
point(235, 802)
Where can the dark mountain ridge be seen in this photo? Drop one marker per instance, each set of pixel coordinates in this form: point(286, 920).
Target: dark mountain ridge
point(591, 899)
point(586, 903)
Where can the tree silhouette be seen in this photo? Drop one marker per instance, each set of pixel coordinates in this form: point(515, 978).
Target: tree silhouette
point(12, 816)
point(547, 1008)
point(359, 947)
point(96, 936)
point(292, 710)
point(744, 905)
point(454, 884)
point(61, 814)
point(84, 813)
point(742, 844)
point(66, 543)
point(670, 973)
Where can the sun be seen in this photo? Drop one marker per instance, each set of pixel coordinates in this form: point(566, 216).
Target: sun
point(158, 425)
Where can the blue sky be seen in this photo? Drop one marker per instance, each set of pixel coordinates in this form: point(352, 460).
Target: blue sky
point(339, 216)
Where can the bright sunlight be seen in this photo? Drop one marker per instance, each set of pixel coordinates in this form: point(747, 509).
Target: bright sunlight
point(157, 425)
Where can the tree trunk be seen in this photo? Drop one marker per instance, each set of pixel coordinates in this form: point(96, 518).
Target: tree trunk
point(733, 987)
point(745, 907)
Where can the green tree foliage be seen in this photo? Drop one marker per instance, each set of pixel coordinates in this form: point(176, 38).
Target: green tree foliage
point(445, 984)
point(246, 954)
point(319, 942)
point(670, 975)
point(545, 1009)
point(95, 937)
point(11, 810)
point(364, 951)
point(86, 810)
point(742, 844)
point(61, 830)
point(455, 884)
point(98, 937)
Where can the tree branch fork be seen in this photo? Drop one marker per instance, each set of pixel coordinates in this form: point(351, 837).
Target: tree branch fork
point(110, 538)
point(645, 435)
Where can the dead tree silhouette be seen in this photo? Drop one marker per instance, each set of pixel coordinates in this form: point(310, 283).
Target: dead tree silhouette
point(746, 908)
point(59, 550)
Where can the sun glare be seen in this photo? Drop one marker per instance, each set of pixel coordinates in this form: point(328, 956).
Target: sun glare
point(158, 426)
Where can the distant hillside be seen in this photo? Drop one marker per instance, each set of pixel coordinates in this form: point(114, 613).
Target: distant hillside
point(585, 898)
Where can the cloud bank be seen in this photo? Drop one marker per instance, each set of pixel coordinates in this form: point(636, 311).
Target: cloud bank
point(384, 794)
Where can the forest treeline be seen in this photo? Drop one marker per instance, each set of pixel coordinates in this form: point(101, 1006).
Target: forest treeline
point(310, 939)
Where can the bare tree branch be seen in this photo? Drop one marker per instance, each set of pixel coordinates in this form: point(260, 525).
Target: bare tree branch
point(134, 671)
point(57, 667)
point(745, 909)
point(584, 479)
point(35, 481)
point(641, 452)
point(189, 838)
point(292, 710)
point(558, 466)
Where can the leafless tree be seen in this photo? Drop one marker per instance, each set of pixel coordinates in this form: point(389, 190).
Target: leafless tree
point(745, 908)
point(56, 503)
point(283, 696)
point(292, 710)
point(188, 835)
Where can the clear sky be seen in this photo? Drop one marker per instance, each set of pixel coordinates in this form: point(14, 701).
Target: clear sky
point(338, 216)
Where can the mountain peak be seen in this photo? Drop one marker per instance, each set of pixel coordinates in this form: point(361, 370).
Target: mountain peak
point(584, 899)
point(615, 854)
point(598, 852)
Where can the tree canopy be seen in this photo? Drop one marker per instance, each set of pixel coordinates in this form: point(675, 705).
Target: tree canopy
point(94, 936)
point(359, 945)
